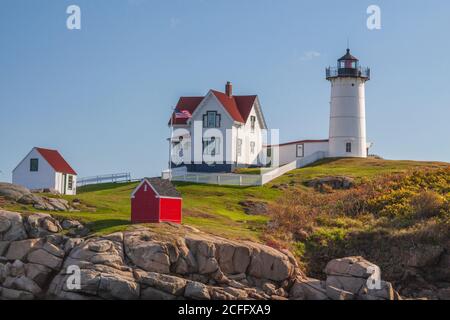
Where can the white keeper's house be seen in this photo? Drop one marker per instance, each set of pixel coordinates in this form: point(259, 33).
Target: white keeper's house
point(45, 169)
point(229, 128)
point(244, 118)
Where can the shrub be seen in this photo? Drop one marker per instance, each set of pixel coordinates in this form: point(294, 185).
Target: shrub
point(427, 204)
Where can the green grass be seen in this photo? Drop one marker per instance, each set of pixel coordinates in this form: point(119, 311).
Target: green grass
point(216, 209)
point(353, 167)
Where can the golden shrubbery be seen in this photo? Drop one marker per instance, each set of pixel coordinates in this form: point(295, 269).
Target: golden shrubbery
point(416, 195)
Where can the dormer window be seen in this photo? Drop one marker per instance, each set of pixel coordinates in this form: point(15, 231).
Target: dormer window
point(252, 123)
point(211, 119)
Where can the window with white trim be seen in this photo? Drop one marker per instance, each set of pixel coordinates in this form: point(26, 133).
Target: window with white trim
point(252, 146)
point(70, 182)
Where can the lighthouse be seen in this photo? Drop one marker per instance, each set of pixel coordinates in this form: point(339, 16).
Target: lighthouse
point(347, 133)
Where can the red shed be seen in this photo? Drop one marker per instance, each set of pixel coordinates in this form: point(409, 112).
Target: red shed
point(155, 200)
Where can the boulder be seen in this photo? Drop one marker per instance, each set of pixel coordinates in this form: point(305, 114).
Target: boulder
point(18, 250)
point(385, 292)
point(12, 191)
point(11, 226)
point(31, 199)
point(58, 204)
point(17, 269)
point(41, 224)
point(254, 207)
point(308, 289)
point(150, 293)
point(147, 254)
point(114, 286)
point(23, 283)
point(196, 291)
point(339, 294)
point(100, 246)
point(268, 263)
point(53, 249)
point(335, 182)
point(346, 283)
point(11, 294)
point(45, 258)
point(167, 283)
point(70, 224)
point(4, 245)
point(38, 273)
point(350, 266)
point(354, 275)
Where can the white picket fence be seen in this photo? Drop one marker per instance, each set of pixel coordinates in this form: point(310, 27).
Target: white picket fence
point(233, 179)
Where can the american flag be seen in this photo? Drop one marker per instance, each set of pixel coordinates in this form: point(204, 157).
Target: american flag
point(182, 114)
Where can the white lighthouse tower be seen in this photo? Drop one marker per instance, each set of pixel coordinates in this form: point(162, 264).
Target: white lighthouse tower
point(347, 137)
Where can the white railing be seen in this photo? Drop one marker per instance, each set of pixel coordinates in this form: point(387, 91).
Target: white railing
point(233, 179)
point(229, 179)
point(115, 177)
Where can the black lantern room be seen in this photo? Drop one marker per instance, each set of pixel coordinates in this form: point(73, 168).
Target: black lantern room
point(348, 66)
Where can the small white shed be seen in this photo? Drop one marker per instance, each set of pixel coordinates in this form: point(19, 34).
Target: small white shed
point(45, 169)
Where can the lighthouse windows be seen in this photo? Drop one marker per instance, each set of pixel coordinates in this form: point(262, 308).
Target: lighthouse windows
point(348, 147)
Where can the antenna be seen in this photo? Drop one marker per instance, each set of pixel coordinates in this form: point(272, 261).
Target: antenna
point(348, 43)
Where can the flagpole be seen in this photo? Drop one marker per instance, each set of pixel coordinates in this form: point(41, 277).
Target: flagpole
point(170, 144)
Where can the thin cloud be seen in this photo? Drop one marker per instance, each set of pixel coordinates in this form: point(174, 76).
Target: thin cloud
point(309, 55)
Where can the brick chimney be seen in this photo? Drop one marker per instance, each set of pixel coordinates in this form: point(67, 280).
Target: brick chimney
point(229, 89)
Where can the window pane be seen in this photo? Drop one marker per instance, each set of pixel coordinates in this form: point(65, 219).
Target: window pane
point(34, 165)
point(211, 119)
point(70, 183)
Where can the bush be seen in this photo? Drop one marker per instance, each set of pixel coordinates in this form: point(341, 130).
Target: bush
point(427, 204)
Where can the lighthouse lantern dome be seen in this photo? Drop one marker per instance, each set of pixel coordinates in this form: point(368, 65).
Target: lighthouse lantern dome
point(348, 61)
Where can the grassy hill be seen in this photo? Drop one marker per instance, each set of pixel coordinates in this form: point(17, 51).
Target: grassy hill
point(217, 209)
point(392, 209)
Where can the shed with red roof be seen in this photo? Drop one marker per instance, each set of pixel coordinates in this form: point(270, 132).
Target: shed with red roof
point(45, 169)
point(155, 200)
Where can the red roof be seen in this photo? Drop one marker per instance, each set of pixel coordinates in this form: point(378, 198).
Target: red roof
point(54, 158)
point(238, 107)
point(186, 103)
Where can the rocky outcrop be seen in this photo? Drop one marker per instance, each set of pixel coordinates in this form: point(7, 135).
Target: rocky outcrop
point(352, 278)
point(166, 262)
point(22, 195)
point(334, 182)
point(254, 207)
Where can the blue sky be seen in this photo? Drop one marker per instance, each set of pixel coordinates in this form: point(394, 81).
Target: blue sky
point(102, 95)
